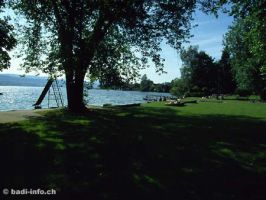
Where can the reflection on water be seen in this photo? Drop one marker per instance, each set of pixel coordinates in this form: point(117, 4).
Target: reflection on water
point(18, 98)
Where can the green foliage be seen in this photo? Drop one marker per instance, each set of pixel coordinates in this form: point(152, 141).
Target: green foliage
point(187, 56)
point(146, 84)
point(263, 94)
point(178, 87)
point(7, 40)
point(100, 30)
point(245, 65)
point(119, 64)
point(253, 13)
point(162, 87)
point(243, 92)
point(201, 76)
point(131, 87)
point(99, 37)
point(198, 71)
point(245, 41)
point(226, 83)
point(205, 73)
point(197, 92)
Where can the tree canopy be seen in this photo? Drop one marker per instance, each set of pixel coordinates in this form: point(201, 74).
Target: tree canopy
point(249, 12)
point(246, 43)
point(75, 36)
point(245, 65)
point(199, 72)
point(145, 83)
point(201, 75)
point(226, 79)
point(7, 40)
point(112, 39)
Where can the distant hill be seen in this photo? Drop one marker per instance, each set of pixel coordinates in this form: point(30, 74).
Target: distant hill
point(28, 80)
point(17, 80)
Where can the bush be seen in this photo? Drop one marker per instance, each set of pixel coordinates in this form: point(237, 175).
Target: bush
point(178, 87)
point(243, 92)
point(263, 94)
point(195, 94)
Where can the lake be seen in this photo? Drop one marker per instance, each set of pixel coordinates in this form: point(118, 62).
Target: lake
point(20, 98)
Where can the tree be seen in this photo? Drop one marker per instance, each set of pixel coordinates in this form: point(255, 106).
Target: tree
point(118, 65)
point(70, 33)
point(199, 72)
point(205, 73)
point(225, 75)
point(187, 56)
point(146, 84)
point(245, 65)
point(251, 13)
point(162, 87)
point(178, 87)
point(7, 40)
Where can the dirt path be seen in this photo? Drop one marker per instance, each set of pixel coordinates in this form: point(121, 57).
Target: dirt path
point(18, 115)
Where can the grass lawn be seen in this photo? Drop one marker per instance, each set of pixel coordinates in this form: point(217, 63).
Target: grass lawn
point(203, 151)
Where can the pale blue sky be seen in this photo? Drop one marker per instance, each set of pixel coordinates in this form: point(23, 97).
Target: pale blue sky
point(208, 35)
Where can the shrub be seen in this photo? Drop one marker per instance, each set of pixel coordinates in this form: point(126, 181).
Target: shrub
point(196, 94)
point(263, 94)
point(178, 87)
point(243, 92)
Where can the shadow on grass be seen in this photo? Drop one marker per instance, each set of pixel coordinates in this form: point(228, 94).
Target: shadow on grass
point(136, 153)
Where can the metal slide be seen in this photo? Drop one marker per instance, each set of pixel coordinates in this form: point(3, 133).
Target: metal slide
point(44, 92)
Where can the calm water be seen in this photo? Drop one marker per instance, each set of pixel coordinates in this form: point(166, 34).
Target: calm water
point(19, 98)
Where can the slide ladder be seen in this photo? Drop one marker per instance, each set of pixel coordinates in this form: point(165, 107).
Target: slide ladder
point(55, 95)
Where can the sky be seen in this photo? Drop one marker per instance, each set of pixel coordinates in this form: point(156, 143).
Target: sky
point(208, 35)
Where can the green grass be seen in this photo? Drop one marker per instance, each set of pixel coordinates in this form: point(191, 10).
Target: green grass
point(209, 150)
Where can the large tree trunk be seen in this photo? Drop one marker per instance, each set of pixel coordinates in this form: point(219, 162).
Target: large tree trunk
point(74, 87)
